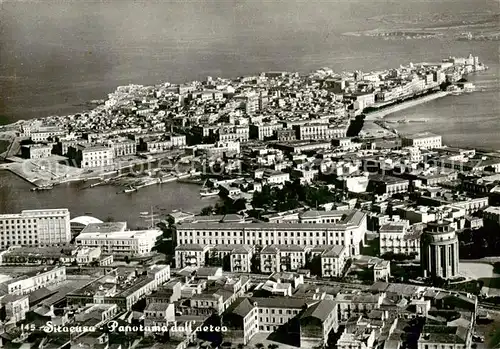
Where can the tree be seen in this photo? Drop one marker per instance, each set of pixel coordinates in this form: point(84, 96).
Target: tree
point(170, 221)
point(207, 211)
point(239, 205)
point(273, 346)
point(496, 267)
point(241, 346)
point(259, 345)
point(127, 259)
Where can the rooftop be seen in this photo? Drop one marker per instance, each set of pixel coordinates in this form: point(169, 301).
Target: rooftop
point(279, 302)
point(103, 228)
point(421, 135)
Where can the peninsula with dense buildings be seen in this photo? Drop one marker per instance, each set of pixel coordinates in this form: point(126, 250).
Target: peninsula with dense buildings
point(331, 229)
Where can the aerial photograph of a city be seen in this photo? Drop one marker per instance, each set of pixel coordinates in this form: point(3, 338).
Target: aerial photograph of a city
point(250, 174)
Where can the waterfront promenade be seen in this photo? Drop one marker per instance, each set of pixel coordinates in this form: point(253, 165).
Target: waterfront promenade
point(379, 114)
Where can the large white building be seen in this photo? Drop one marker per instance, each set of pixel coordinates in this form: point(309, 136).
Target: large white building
point(49, 227)
point(32, 281)
point(89, 156)
point(113, 238)
point(319, 131)
point(425, 140)
point(348, 230)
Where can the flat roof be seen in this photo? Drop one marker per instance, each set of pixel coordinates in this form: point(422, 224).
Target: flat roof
point(421, 135)
point(128, 234)
point(354, 218)
point(108, 227)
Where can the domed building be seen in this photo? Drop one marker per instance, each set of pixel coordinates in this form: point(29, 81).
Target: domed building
point(78, 223)
point(439, 251)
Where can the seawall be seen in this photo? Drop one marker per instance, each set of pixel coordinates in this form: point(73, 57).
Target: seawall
point(405, 105)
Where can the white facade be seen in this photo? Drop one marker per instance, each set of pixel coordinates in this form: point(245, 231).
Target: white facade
point(276, 177)
point(424, 140)
point(50, 227)
point(398, 238)
point(124, 148)
point(131, 242)
point(282, 258)
point(96, 157)
point(29, 283)
point(319, 131)
point(190, 255)
point(333, 261)
point(349, 231)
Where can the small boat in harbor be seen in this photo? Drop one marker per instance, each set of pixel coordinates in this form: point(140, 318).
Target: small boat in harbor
point(205, 192)
point(129, 190)
point(454, 90)
point(43, 187)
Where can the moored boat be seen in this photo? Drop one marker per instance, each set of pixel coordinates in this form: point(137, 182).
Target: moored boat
point(129, 190)
point(209, 192)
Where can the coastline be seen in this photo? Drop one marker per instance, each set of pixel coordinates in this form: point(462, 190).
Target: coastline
point(377, 115)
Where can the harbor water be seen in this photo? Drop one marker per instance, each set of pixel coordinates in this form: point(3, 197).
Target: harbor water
point(57, 55)
point(103, 202)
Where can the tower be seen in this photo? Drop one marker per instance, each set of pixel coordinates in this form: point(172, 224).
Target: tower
point(439, 251)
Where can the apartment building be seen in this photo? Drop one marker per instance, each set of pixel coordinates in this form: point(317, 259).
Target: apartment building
point(191, 255)
point(16, 307)
point(233, 134)
point(319, 131)
point(357, 337)
point(264, 131)
point(284, 135)
point(112, 238)
point(442, 336)
point(275, 177)
point(399, 238)
point(355, 304)
point(219, 149)
point(234, 258)
point(388, 185)
point(91, 156)
point(44, 133)
point(349, 232)
point(241, 259)
point(249, 316)
point(424, 140)
point(32, 281)
point(48, 227)
point(317, 322)
point(275, 312)
point(36, 151)
point(124, 148)
point(332, 259)
point(278, 258)
point(177, 140)
point(158, 315)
